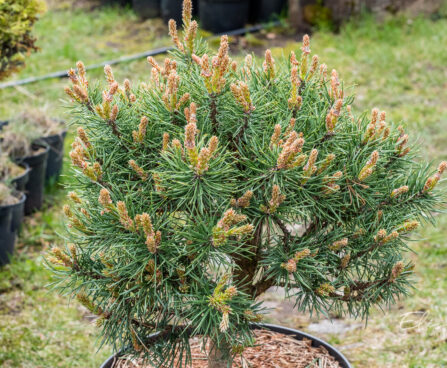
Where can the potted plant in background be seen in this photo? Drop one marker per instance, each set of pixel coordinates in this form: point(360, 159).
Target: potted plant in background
point(52, 132)
point(197, 192)
point(16, 40)
point(11, 215)
point(18, 141)
point(15, 176)
point(12, 173)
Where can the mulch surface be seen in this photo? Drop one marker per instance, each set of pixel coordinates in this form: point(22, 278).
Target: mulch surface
point(272, 350)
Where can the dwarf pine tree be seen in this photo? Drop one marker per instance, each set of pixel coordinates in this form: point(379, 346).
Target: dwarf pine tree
point(215, 180)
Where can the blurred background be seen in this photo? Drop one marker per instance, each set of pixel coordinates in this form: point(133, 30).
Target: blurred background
point(393, 52)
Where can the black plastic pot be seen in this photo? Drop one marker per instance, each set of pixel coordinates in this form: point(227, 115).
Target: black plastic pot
point(172, 9)
point(18, 212)
point(195, 7)
point(7, 236)
point(55, 155)
point(115, 2)
point(339, 357)
point(11, 217)
point(35, 185)
point(3, 123)
point(220, 16)
point(264, 10)
point(19, 182)
point(146, 8)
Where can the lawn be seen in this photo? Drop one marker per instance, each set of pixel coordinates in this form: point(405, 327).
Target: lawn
point(399, 65)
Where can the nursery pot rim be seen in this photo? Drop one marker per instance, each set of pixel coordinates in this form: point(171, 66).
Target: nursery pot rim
point(63, 132)
point(34, 145)
point(339, 357)
point(21, 199)
point(25, 166)
point(45, 141)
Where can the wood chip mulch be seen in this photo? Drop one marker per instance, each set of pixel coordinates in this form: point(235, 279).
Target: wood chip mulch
point(272, 350)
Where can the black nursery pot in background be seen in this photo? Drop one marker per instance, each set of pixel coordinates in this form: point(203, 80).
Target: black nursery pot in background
point(55, 155)
point(7, 237)
point(195, 7)
point(35, 185)
point(172, 9)
point(11, 217)
point(18, 212)
point(220, 16)
point(298, 335)
point(264, 10)
point(146, 8)
point(115, 2)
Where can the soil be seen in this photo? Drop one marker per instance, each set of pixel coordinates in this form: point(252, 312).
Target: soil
point(6, 198)
point(9, 170)
point(272, 350)
point(16, 171)
point(8, 201)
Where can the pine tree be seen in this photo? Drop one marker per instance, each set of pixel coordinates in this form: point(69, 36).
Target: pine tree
point(200, 189)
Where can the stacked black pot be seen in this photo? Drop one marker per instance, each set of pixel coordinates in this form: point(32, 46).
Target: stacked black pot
point(55, 160)
point(34, 187)
point(11, 217)
point(43, 164)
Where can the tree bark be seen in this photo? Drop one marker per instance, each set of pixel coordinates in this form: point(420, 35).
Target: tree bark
point(219, 357)
point(295, 14)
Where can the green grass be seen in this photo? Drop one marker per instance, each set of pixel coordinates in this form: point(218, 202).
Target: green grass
point(399, 66)
point(38, 329)
point(66, 36)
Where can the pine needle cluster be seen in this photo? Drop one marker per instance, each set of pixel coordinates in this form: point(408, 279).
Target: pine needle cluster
point(215, 180)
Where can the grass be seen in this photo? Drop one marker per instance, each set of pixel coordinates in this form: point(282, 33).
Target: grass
point(66, 36)
point(399, 66)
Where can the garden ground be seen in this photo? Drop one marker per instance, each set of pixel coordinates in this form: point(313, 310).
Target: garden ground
point(399, 65)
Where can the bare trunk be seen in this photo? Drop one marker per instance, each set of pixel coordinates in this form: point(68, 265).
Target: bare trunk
point(219, 357)
point(295, 14)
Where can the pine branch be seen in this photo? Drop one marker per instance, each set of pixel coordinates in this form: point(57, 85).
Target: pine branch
point(286, 233)
point(241, 132)
point(360, 287)
point(213, 114)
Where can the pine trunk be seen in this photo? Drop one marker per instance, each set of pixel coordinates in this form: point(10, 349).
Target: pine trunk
point(219, 357)
point(295, 14)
